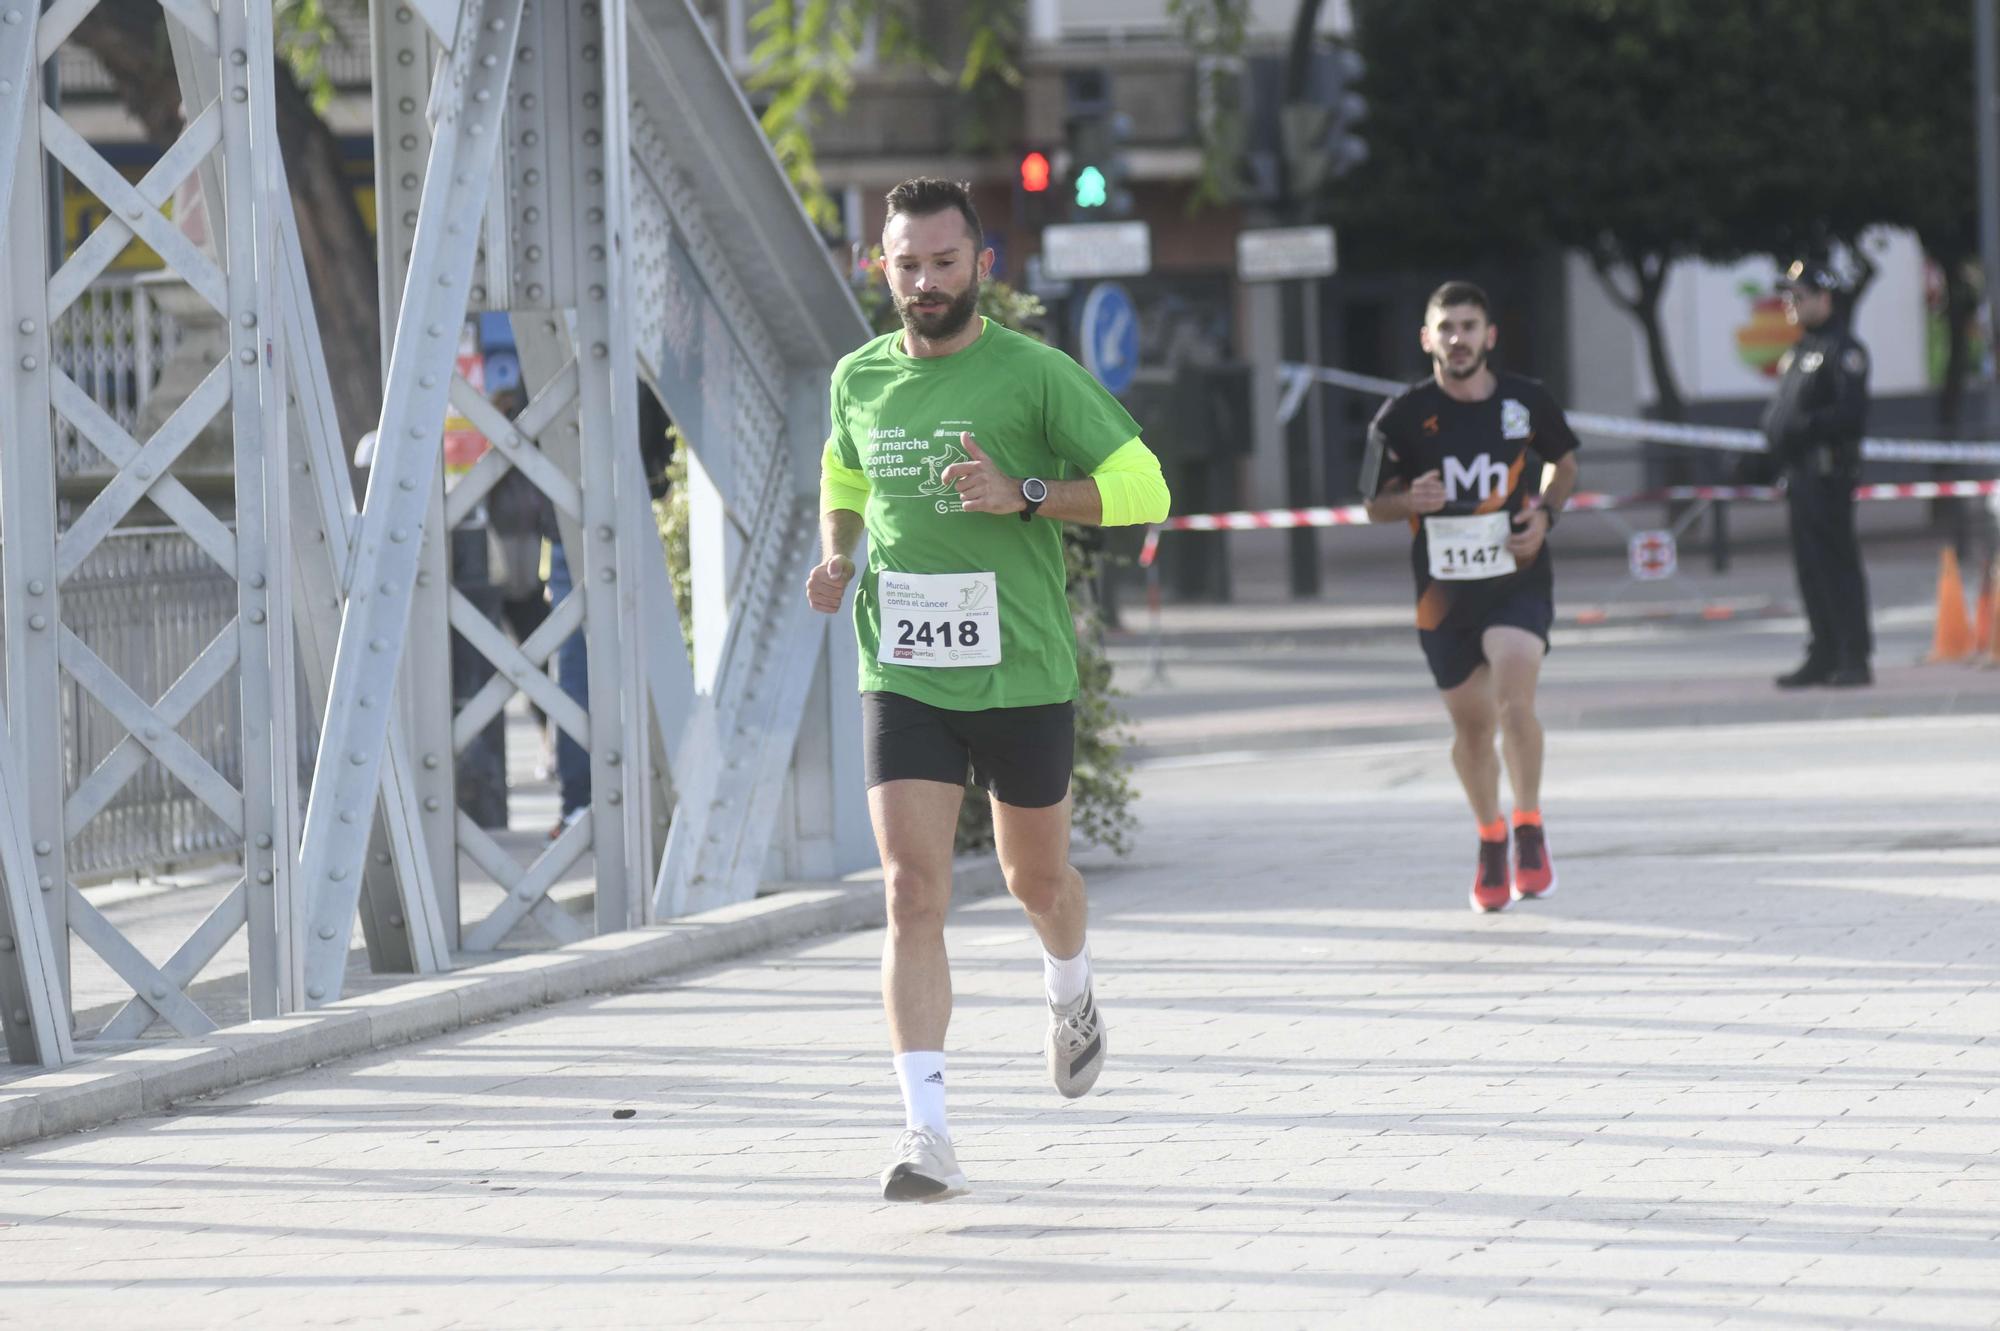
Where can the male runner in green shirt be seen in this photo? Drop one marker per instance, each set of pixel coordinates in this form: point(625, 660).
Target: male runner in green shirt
point(959, 447)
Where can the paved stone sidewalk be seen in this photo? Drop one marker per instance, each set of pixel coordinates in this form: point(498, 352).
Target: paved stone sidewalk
point(1740, 1071)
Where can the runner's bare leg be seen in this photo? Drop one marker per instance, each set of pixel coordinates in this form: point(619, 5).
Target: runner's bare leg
point(1475, 714)
point(1515, 657)
point(915, 822)
point(1033, 848)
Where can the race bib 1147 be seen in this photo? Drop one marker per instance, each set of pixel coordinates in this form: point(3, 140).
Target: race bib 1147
point(1467, 549)
point(938, 619)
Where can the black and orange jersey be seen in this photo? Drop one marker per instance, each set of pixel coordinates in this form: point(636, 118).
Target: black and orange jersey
point(1489, 454)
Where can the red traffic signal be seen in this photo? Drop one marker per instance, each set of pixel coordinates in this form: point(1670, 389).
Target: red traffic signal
point(1035, 173)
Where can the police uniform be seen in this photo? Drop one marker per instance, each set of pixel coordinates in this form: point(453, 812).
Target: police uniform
point(1813, 428)
point(1483, 453)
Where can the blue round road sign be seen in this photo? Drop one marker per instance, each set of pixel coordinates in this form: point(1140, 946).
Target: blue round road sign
point(1109, 331)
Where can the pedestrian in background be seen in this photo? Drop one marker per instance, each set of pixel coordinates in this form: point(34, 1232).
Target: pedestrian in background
point(1813, 430)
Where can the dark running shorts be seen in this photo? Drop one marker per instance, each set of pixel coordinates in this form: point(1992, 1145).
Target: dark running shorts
point(1019, 755)
point(1454, 651)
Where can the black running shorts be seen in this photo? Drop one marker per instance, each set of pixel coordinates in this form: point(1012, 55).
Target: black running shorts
point(1454, 650)
point(1019, 755)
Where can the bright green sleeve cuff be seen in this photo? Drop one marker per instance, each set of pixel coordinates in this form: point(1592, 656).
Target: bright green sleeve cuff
point(841, 487)
point(1130, 486)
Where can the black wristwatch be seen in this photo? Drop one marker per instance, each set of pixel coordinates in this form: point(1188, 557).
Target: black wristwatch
point(1035, 493)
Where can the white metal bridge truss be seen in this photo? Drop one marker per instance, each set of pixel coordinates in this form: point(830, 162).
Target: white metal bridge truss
point(589, 167)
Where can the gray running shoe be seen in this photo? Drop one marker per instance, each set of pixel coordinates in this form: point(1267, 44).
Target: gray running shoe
point(923, 1170)
point(1076, 1046)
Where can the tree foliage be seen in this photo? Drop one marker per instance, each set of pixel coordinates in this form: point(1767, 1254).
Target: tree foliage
point(809, 52)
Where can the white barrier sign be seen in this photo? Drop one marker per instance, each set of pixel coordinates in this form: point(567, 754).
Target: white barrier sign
point(1283, 253)
point(1097, 249)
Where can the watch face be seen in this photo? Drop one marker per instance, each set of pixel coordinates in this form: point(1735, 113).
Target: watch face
point(1034, 491)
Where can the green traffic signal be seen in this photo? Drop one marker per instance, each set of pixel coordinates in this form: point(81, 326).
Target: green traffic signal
point(1091, 191)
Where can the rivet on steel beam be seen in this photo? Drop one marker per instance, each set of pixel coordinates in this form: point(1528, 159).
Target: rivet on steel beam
point(594, 176)
point(326, 931)
point(534, 291)
point(143, 472)
point(614, 797)
point(599, 351)
point(596, 291)
point(607, 575)
point(399, 535)
point(403, 15)
point(533, 177)
point(36, 587)
point(6, 945)
point(530, 137)
point(395, 921)
point(409, 142)
point(594, 215)
point(410, 181)
point(489, 61)
point(48, 884)
point(357, 757)
point(475, 130)
point(590, 100)
point(606, 532)
point(406, 57)
point(347, 816)
point(524, 895)
point(382, 857)
point(592, 138)
point(315, 992)
point(20, 1014)
point(430, 804)
point(534, 254)
point(407, 105)
point(38, 622)
point(529, 214)
point(27, 326)
point(248, 319)
point(423, 579)
point(407, 483)
point(416, 432)
point(158, 991)
point(247, 356)
point(613, 758)
point(479, 295)
point(378, 645)
point(482, 96)
point(495, 25)
point(256, 616)
point(336, 874)
point(239, 95)
point(428, 381)
point(263, 841)
point(431, 761)
point(365, 703)
point(28, 362)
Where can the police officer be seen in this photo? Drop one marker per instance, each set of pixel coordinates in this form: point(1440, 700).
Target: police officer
point(1813, 429)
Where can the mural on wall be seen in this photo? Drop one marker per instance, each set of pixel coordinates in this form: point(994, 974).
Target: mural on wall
point(1725, 324)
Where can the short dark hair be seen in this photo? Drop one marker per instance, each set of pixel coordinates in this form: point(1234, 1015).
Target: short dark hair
point(1458, 292)
point(922, 196)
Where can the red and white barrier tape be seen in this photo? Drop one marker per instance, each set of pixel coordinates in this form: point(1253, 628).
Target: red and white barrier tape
point(1271, 519)
point(1730, 439)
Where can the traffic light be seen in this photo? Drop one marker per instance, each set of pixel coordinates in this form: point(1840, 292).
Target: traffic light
point(1094, 134)
point(1035, 172)
point(1294, 150)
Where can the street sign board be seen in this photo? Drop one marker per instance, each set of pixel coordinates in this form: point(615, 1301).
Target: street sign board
point(1109, 332)
point(1280, 253)
point(1097, 249)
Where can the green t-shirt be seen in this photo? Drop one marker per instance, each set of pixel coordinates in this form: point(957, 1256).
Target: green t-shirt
point(1035, 412)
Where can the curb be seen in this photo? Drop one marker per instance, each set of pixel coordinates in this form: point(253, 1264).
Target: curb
point(99, 1091)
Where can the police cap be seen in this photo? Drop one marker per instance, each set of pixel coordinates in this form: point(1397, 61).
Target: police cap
point(1806, 275)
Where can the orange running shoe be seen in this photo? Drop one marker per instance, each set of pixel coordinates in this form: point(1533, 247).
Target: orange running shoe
point(1534, 871)
point(1489, 880)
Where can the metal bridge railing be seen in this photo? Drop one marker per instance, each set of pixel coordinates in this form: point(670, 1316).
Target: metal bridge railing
point(114, 342)
point(148, 601)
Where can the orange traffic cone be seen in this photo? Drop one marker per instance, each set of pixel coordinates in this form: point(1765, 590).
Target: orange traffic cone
point(1952, 640)
point(1983, 645)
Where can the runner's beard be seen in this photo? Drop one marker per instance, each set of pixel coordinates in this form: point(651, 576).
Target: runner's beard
point(1465, 371)
point(936, 325)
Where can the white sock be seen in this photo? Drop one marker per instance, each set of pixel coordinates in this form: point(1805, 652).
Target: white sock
point(1066, 980)
point(921, 1073)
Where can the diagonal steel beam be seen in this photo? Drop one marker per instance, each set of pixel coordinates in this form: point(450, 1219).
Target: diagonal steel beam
point(402, 923)
point(96, 791)
point(526, 889)
point(196, 951)
point(17, 78)
point(147, 980)
point(375, 621)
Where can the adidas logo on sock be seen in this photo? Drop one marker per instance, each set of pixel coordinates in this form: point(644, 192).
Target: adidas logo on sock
point(935, 1079)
